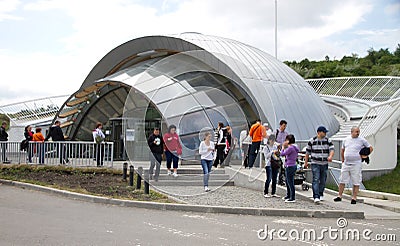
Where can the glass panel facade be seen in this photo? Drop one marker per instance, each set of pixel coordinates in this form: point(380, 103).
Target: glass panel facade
point(202, 80)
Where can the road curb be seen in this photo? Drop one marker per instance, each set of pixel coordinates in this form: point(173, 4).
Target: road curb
point(389, 208)
point(191, 208)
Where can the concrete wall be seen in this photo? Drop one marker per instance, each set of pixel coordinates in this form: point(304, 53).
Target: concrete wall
point(384, 155)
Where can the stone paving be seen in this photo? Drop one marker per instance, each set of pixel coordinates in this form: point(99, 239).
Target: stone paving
point(234, 196)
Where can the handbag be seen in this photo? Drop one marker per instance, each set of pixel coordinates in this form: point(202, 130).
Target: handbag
point(99, 139)
point(276, 161)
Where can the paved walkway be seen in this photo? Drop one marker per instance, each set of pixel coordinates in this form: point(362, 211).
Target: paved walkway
point(37, 218)
point(371, 212)
point(253, 198)
point(239, 197)
point(236, 196)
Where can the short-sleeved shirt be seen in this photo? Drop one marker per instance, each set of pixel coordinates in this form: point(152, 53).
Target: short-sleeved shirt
point(319, 150)
point(352, 147)
point(281, 136)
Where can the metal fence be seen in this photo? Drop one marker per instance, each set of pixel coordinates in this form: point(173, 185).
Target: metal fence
point(55, 153)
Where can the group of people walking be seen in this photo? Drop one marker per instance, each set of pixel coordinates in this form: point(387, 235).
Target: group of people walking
point(169, 144)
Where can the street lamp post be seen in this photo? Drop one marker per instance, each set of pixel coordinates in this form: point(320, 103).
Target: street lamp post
point(276, 29)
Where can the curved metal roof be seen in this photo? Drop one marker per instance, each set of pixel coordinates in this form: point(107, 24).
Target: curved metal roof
point(276, 90)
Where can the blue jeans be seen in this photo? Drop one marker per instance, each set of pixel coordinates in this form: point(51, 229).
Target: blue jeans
point(206, 165)
point(171, 158)
point(290, 171)
point(319, 173)
point(272, 174)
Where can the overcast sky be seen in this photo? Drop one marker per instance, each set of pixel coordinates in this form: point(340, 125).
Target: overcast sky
point(47, 47)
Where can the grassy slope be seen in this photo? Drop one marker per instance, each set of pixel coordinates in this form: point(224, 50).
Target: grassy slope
point(389, 183)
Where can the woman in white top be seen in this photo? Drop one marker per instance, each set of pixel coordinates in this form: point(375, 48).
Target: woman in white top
point(272, 173)
point(98, 138)
point(206, 150)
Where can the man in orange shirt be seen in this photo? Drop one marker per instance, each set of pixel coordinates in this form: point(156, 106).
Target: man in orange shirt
point(257, 133)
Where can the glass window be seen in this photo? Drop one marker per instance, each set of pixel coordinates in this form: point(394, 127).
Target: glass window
point(178, 106)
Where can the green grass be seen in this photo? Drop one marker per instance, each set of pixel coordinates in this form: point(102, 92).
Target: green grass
point(389, 183)
point(332, 187)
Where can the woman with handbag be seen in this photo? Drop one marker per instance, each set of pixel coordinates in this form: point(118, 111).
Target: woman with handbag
point(271, 165)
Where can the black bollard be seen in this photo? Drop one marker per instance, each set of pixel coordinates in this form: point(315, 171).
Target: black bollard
point(139, 178)
point(131, 172)
point(124, 170)
point(146, 187)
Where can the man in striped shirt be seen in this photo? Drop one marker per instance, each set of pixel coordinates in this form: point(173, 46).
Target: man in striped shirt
point(321, 150)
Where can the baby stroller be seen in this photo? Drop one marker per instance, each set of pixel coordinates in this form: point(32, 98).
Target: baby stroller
point(299, 177)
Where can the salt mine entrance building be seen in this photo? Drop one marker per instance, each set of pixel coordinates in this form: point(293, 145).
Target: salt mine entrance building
point(193, 81)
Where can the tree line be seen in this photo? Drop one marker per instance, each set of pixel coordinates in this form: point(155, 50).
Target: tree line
point(376, 63)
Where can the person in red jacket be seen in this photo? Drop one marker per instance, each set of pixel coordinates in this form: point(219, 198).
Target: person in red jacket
point(173, 149)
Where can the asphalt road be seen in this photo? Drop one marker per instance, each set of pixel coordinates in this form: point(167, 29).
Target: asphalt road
point(37, 218)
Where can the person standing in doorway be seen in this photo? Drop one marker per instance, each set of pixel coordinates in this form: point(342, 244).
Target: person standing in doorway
point(98, 138)
point(156, 145)
point(173, 149)
point(206, 150)
point(321, 150)
point(290, 151)
point(3, 139)
point(257, 133)
point(352, 163)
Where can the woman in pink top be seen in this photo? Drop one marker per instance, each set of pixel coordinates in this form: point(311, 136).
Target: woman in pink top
point(173, 149)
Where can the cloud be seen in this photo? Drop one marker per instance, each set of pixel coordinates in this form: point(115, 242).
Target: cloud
point(8, 6)
point(393, 9)
point(305, 29)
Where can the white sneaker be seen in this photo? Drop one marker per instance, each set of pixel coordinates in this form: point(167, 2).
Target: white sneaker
point(169, 172)
point(275, 195)
point(206, 189)
point(321, 198)
point(289, 200)
point(175, 174)
point(267, 196)
point(316, 200)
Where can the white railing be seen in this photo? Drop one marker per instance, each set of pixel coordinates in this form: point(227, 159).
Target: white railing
point(380, 116)
point(33, 110)
point(54, 153)
point(375, 88)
